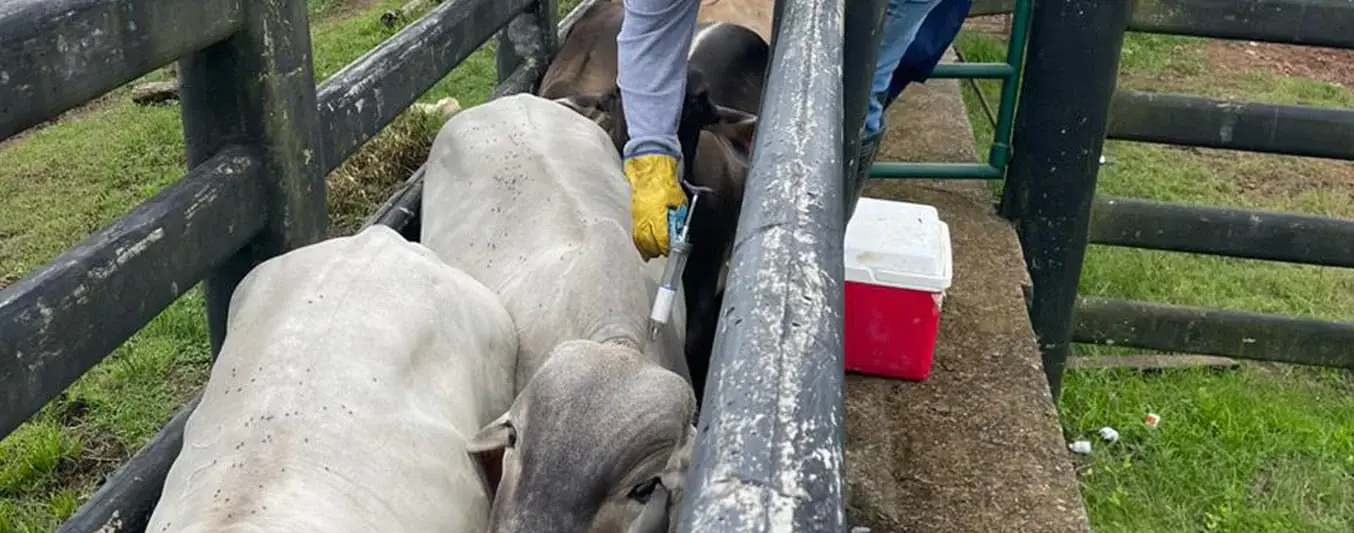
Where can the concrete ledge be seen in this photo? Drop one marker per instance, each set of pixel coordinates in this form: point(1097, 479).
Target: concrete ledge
point(978, 446)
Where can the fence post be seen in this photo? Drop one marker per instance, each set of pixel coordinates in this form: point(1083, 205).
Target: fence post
point(860, 47)
point(529, 37)
point(257, 90)
point(1059, 132)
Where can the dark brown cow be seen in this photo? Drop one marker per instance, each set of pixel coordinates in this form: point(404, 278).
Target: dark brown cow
point(727, 65)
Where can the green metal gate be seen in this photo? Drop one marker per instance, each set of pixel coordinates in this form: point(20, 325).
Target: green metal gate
point(1009, 74)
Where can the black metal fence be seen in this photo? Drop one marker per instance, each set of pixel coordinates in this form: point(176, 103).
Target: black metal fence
point(261, 137)
point(1061, 124)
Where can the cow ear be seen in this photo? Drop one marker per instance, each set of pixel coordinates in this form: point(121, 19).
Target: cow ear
point(487, 448)
point(737, 126)
point(590, 106)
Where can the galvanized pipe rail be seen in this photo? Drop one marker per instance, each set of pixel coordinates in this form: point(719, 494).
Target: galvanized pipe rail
point(769, 451)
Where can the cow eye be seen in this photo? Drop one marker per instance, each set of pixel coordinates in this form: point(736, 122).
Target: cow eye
point(643, 491)
point(512, 434)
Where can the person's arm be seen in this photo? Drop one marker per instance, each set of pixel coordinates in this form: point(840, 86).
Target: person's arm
point(653, 44)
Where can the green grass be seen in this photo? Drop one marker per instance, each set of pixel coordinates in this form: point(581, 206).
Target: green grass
point(69, 179)
point(1266, 448)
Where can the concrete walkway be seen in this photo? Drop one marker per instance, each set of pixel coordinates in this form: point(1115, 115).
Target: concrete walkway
point(977, 447)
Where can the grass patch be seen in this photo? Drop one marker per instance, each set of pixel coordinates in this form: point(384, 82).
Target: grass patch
point(1264, 448)
point(74, 176)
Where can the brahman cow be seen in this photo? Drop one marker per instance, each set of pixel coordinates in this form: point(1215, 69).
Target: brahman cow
point(529, 197)
point(353, 375)
point(727, 64)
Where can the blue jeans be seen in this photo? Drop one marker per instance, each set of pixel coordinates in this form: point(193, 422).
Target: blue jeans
point(902, 18)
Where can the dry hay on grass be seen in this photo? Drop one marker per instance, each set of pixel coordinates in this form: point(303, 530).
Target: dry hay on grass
point(372, 174)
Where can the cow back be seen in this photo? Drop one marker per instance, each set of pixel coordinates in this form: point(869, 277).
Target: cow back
point(352, 375)
point(529, 198)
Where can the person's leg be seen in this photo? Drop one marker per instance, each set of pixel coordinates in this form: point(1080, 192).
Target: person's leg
point(935, 35)
point(653, 44)
point(902, 18)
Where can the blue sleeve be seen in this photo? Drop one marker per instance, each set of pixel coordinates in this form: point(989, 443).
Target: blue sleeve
point(653, 44)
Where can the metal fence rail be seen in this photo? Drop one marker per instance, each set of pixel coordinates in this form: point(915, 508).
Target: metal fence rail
point(1214, 123)
point(770, 447)
point(365, 96)
point(1050, 191)
point(1308, 22)
point(64, 318)
point(1201, 330)
point(62, 53)
point(1244, 233)
point(999, 155)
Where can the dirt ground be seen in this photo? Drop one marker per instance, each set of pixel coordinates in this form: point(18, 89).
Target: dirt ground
point(1325, 64)
point(976, 447)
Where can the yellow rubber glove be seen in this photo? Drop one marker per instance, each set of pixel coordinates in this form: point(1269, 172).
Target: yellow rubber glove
point(653, 189)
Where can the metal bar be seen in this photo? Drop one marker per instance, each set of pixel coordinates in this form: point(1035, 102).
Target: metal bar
point(860, 44)
point(1214, 123)
point(963, 171)
point(1000, 152)
point(257, 89)
point(997, 71)
point(1309, 22)
point(59, 54)
point(1199, 330)
point(1059, 133)
point(67, 316)
point(768, 456)
point(1246, 233)
point(978, 92)
point(527, 36)
point(360, 100)
point(130, 495)
point(400, 211)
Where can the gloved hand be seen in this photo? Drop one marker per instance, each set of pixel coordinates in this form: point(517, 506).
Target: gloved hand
point(653, 190)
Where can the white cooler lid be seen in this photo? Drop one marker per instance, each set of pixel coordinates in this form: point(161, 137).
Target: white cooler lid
point(898, 244)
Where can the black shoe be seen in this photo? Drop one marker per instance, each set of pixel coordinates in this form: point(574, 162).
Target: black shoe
point(864, 160)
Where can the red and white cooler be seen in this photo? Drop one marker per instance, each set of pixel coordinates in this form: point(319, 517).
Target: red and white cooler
point(898, 266)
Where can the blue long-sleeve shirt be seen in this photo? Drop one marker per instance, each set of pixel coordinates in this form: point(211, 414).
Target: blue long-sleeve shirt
point(654, 42)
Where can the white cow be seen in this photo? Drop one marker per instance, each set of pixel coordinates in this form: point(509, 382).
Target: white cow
point(353, 374)
point(529, 197)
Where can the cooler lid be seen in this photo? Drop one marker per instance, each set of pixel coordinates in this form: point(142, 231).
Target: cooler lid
point(898, 244)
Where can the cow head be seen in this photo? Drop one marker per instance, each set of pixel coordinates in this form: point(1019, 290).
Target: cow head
point(598, 441)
